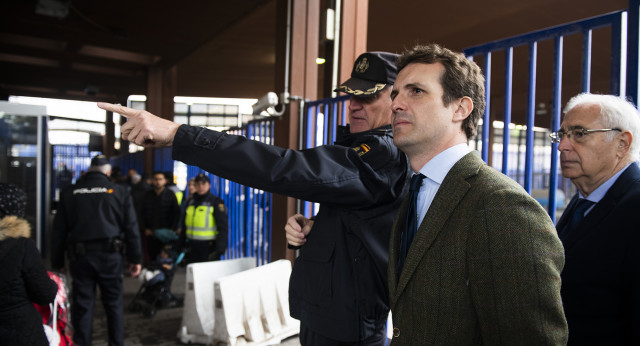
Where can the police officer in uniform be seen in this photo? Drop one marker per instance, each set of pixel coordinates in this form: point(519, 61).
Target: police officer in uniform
point(94, 225)
point(338, 287)
point(205, 229)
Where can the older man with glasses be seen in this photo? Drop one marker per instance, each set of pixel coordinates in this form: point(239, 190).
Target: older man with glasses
point(599, 229)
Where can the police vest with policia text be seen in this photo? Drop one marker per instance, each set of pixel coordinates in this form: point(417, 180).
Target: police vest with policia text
point(200, 223)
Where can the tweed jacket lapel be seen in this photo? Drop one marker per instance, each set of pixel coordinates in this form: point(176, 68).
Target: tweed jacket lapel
point(453, 189)
point(602, 209)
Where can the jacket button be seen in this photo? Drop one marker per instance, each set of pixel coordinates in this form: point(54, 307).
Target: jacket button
point(206, 141)
point(396, 332)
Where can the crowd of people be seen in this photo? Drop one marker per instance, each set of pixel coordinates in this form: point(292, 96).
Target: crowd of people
point(106, 217)
point(411, 220)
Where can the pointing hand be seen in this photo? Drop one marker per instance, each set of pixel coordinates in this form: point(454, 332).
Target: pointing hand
point(142, 127)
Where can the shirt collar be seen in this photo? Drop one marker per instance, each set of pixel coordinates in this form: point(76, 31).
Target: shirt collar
point(438, 167)
point(598, 194)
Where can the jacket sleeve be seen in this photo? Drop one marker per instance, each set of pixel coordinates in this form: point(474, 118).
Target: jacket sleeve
point(131, 230)
point(222, 223)
point(40, 288)
point(332, 174)
point(515, 258)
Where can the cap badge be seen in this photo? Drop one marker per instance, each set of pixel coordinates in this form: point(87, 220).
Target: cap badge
point(362, 65)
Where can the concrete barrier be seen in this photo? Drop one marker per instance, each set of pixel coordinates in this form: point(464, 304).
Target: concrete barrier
point(198, 320)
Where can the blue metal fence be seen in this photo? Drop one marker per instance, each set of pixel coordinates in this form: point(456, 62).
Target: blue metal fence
point(130, 161)
point(615, 22)
point(69, 159)
point(319, 127)
point(249, 209)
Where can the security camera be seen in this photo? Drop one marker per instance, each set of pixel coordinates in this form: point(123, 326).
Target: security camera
point(265, 102)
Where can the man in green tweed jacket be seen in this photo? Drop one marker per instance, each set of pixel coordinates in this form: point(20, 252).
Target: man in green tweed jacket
point(484, 265)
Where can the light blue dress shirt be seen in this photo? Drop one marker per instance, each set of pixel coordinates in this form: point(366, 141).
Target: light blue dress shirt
point(435, 171)
point(602, 190)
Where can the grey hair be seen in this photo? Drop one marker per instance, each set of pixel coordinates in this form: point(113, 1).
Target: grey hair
point(104, 169)
point(615, 112)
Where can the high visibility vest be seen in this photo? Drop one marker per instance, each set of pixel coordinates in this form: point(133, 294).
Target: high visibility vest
point(179, 196)
point(200, 223)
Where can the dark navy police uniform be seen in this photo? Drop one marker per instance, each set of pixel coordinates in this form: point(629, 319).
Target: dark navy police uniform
point(94, 225)
point(338, 287)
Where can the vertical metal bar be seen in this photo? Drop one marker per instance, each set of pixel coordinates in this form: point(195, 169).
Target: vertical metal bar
point(615, 87)
point(633, 45)
point(586, 60)
point(623, 53)
point(304, 109)
point(260, 208)
point(487, 109)
point(310, 126)
point(251, 227)
point(555, 124)
point(41, 180)
point(344, 113)
point(267, 212)
point(240, 217)
point(325, 125)
point(508, 81)
point(269, 223)
point(249, 212)
point(233, 225)
point(334, 122)
point(531, 106)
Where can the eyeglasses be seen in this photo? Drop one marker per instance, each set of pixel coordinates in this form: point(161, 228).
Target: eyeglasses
point(576, 134)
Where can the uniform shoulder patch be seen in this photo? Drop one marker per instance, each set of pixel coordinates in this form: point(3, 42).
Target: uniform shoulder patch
point(362, 149)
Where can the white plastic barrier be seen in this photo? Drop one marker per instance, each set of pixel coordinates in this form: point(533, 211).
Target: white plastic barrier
point(252, 307)
point(198, 314)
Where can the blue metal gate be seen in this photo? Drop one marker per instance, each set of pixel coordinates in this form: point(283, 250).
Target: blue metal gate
point(615, 22)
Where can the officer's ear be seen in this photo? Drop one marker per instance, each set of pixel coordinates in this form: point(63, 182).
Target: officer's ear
point(108, 173)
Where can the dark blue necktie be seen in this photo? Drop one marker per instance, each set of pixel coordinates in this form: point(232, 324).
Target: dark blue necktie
point(582, 206)
point(412, 219)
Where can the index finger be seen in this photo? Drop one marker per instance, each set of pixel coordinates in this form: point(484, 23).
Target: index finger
point(124, 111)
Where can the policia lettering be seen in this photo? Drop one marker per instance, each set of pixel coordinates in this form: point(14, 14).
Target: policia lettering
point(200, 223)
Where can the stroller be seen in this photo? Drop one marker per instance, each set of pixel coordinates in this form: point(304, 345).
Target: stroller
point(155, 291)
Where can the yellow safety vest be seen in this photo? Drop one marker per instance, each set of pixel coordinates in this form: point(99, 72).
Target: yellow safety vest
point(179, 197)
point(200, 223)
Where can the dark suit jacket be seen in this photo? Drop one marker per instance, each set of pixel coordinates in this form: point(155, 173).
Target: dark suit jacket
point(484, 267)
point(601, 279)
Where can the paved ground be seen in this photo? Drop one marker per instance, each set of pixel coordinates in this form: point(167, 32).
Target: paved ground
point(160, 330)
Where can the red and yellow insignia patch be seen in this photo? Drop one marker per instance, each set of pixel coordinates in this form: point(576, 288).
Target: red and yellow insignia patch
point(362, 149)
point(110, 191)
